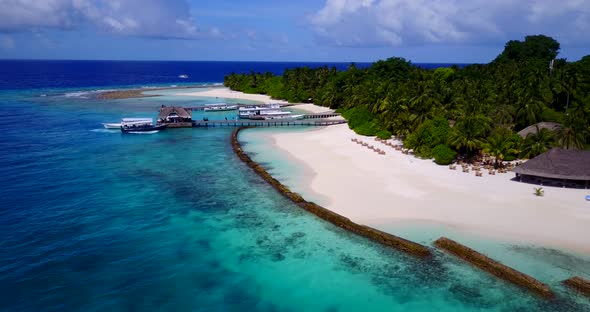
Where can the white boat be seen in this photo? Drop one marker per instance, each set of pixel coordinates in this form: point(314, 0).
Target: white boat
point(183, 76)
point(272, 116)
point(144, 126)
point(220, 108)
point(247, 111)
point(117, 125)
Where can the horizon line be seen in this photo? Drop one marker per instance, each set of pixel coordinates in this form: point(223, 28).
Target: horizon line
point(222, 61)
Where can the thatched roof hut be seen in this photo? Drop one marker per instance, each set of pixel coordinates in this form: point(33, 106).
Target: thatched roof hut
point(168, 112)
point(175, 117)
point(541, 125)
point(557, 165)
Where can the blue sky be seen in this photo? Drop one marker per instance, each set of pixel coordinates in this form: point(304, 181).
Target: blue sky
point(459, 31)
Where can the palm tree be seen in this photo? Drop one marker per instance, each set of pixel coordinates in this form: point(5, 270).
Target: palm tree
point(572, 134)
point(468, 134)
point(569, 137)
point(537, 143)
point(499, 147)
point(528, 110)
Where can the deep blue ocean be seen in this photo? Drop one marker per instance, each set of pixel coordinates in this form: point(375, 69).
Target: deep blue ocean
point(93, 220)
point(27, 74)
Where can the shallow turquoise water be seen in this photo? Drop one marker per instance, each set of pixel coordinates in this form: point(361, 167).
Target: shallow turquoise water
point(547, 264)
point(94, 220)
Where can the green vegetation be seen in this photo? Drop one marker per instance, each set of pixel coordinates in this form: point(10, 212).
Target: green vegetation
point(383, 134)
point(443, 154)
point(429, 134)
point(361, 121)
point(502, 145)
point(471, 110)
point(537, 143)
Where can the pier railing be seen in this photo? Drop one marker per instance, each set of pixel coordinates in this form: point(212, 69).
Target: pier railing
point(265, 123)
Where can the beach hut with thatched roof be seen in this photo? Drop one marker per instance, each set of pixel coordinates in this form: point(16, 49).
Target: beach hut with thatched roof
point(533, 129)
point(175, 117)
point(557, 167)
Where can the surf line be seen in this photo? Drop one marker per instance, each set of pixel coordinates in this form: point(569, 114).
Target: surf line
point(375, 235)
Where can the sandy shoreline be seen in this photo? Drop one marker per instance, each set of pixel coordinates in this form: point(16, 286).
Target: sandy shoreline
point(381, 190)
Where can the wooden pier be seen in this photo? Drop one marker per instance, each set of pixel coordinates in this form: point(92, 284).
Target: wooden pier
point(265, 123)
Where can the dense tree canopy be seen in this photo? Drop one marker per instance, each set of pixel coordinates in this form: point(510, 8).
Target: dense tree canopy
point(532, 48)
point(483, 105)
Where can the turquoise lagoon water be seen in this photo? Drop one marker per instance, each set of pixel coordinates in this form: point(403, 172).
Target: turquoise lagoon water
point(93, 220)
point(545, 263)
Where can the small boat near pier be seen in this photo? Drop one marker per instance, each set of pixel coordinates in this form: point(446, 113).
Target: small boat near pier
point(142, 127)
point(128, 121)
point(220, 108)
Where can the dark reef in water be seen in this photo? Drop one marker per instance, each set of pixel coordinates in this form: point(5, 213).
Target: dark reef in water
point(579, 284)
point(494, 267)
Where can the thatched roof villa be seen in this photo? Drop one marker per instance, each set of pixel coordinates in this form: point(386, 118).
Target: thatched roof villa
point(557, 167)
point(541, 125)
point(175, 117)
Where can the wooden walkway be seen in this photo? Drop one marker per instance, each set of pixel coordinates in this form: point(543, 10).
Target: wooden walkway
point(265, 123)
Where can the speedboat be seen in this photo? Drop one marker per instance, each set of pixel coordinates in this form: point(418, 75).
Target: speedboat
point(220, 108)
point(284, 117)
point(117, 125)
point(183, 76)
point(271, 115)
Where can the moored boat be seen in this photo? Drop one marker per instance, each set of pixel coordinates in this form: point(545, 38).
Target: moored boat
point(135, 128)
point(141, 126)
point(128, 121)
point(220, 108)
point(277, 116)
point(248, 111)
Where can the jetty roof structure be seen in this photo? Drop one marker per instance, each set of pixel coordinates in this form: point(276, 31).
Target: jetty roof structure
point(167, 111)
point(541, 125)
point(175, 117)
point(557, 165)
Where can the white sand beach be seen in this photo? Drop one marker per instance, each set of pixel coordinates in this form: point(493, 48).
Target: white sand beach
point(226, 93)
point(378, 190)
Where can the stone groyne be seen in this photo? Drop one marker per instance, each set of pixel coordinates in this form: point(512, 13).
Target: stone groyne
point(494, 267)
point(383, 238)
point(579, 284)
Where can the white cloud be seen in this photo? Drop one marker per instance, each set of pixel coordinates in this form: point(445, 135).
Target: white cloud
point(18, 14)
point(145, 18)
point(407, 22)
